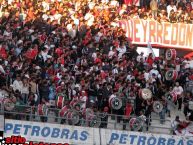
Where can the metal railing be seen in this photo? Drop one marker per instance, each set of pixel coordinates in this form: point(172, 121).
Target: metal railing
point(152, 124)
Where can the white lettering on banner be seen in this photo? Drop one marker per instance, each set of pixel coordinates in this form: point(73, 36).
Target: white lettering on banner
point(116, 137)
point(56, 133)
point(52, 133)
point(159, 34)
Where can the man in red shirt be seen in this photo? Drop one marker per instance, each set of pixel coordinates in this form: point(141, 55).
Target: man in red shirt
point(128, 111)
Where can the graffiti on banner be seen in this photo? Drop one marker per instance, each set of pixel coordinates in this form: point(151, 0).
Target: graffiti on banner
point(13, 140)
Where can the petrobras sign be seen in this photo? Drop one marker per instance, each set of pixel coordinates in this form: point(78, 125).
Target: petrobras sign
point(115, 137)
point(52, 133)
point(56, 133)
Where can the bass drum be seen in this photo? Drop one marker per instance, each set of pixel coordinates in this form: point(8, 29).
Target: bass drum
point(94, 121)
point(171, 75)
point(146, 94)
point(115, 103)
point(9, 105)
point(171, 54)
point(135, 124)
point(157, 106)
point(63, 111)
point(73, 117)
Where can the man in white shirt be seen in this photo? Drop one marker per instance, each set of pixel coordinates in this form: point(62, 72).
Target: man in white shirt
point(10, 2)
point(45, 6)
point(171, 7)
point(89, 18)
point(122, 50)
point(105, 1)
point(45, 55)
point(75, 19)
point(45, 17)
point(69, 26)
point(57, 16)
point(112, 52)
point(83, 99)
point(146, 75)
point(91, 4)
point(17, 84)
point(154, 71)
point(179, 92)
point(72, 32)
point(114, 3)
point(154, 74)
point(130, 76)
point(178, 89)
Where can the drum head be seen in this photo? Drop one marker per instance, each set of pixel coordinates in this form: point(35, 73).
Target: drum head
point(135, 124)
point(146, 94)
point(171, 75)
point(95, 121)
point(157, 106)
point(8, 104)
point(116, 103)
point(170, 54)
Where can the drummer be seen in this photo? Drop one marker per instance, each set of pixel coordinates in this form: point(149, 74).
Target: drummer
point(128, 110)
point(162, 114)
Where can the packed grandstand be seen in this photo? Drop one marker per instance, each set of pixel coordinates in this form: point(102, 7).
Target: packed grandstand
point(74, 58)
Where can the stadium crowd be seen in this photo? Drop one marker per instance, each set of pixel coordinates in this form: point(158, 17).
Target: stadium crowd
point(76, 49)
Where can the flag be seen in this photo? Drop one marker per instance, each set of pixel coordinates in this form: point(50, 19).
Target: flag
point(150, 49)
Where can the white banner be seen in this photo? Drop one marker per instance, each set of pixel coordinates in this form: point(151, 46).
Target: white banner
point(56, 133)
point(52, 133)
point(177, 35)
point(116, 137)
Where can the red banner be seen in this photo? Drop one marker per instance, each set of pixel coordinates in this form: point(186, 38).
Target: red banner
point(176, 35)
